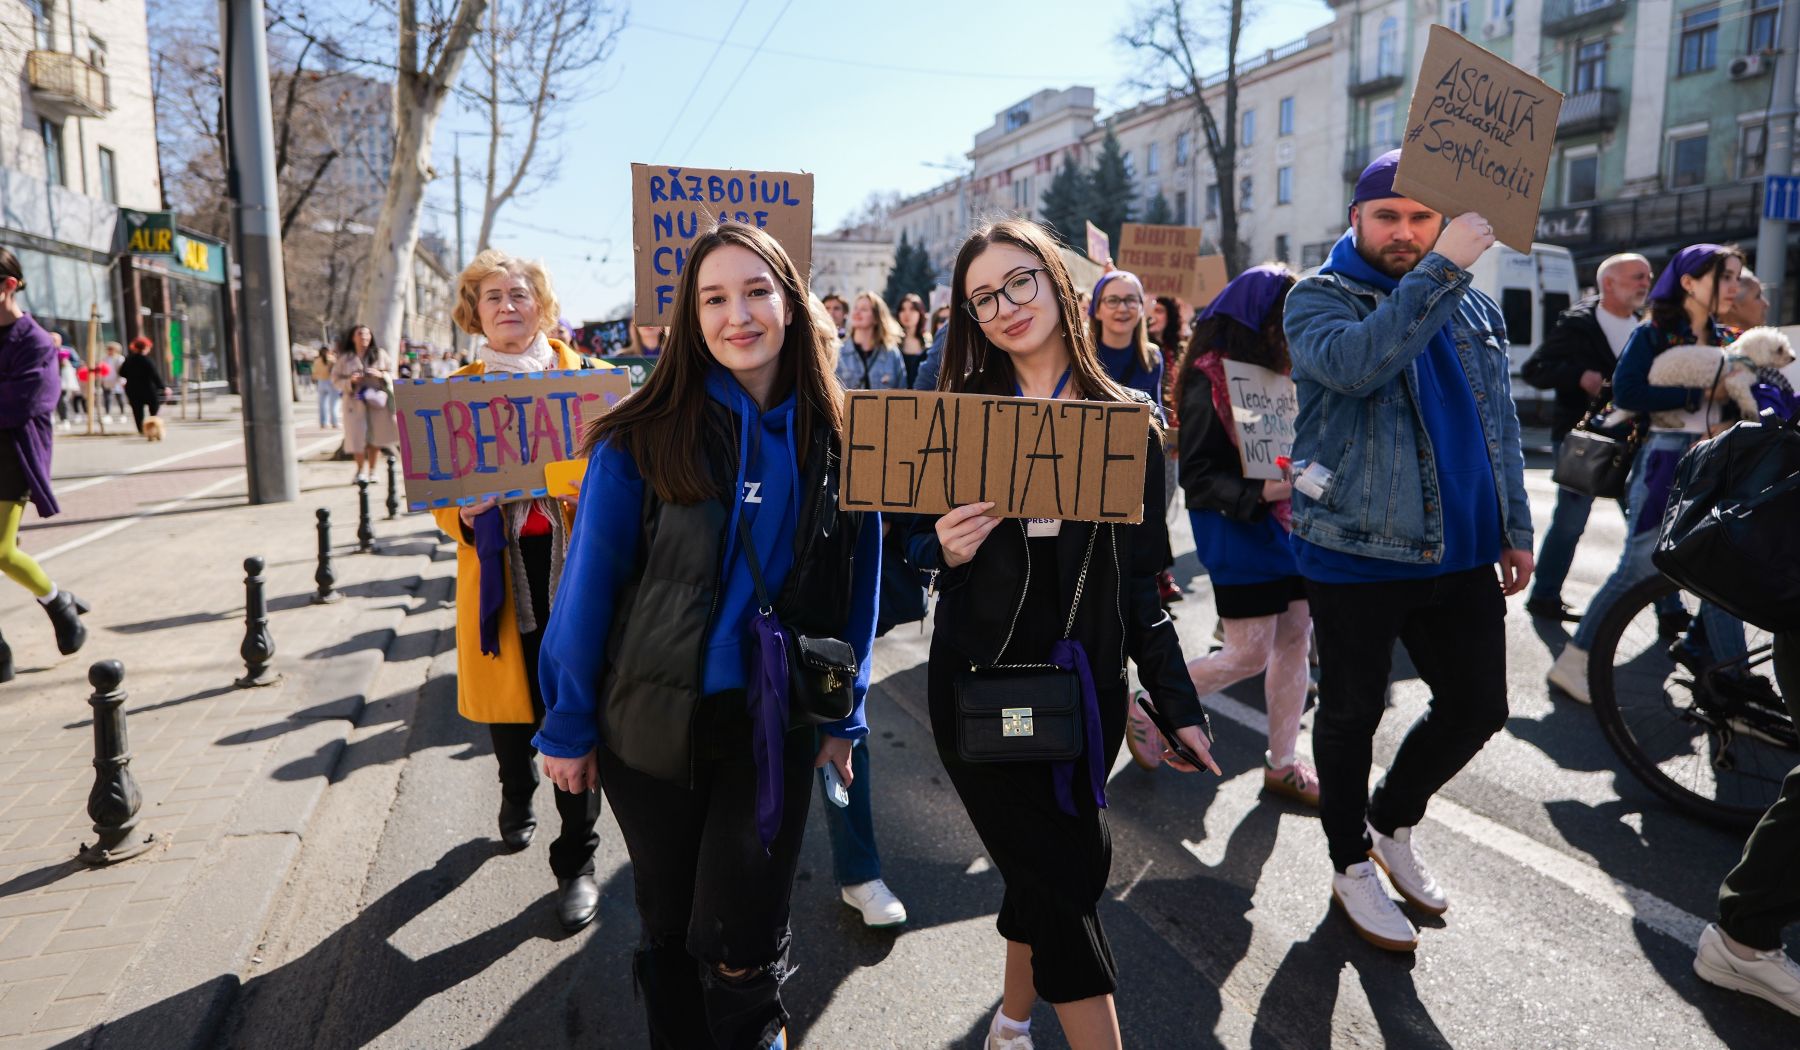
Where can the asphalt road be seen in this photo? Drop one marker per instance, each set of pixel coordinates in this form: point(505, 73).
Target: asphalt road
point(1574, 892)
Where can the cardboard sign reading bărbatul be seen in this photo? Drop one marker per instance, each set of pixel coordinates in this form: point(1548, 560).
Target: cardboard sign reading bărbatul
point(1478, 138)
point(672, 206)
point(926, 453)
point(1264, 406)
point(1168, 260)
point(466, 438)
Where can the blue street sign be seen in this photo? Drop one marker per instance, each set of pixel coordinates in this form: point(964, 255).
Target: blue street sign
point(1781, 197)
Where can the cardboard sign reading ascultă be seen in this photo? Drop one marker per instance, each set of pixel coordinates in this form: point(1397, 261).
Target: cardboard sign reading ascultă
point(1478, 138)
point(926, 453)
point(671, 206)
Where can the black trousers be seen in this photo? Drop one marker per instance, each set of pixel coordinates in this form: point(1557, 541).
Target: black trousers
point(1761, 896)
point(1454, 631)
point(572, 852)
point(140, 407)
point(708, 895)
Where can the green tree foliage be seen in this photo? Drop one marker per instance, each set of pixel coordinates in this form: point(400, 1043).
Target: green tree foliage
point(1068, 204)
point(1111, 185)
point(1158, 212)
point(912, 272)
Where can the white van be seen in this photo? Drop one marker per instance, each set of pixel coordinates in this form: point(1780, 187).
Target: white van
point(1532, 290)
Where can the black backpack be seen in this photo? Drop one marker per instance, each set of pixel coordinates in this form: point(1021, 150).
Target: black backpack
point(1731, 529)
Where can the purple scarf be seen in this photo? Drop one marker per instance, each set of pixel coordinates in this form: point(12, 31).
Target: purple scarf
point(1070, 656)
point(490, 552)
point(31, 386)
point(767, 695)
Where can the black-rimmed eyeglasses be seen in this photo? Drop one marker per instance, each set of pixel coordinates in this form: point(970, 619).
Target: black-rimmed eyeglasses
point(1019, 289)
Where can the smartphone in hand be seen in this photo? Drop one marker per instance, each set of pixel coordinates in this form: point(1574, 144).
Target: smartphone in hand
point(834, 786)
point(1181, 750)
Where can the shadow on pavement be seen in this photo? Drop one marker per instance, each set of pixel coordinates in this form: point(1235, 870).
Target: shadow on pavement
point(1297, 1006)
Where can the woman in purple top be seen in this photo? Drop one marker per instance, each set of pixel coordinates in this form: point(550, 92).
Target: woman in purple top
point(29, 390)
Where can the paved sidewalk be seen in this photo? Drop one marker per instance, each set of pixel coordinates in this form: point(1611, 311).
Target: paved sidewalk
point(230, 778)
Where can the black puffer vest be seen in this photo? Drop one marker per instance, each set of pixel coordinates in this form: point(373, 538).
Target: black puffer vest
point(656, 655)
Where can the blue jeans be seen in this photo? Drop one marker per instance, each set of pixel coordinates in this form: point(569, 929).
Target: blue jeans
point(1557, 553)
point(854, 856)
point(328, 404)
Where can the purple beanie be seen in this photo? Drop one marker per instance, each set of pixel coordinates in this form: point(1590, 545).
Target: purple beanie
point(1687, 262)
point(1094, 300)
point(1377, 181)
point(1250, 295)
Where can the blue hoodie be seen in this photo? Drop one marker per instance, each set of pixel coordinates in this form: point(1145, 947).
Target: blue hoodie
point(1453, 428)
point(603, 552)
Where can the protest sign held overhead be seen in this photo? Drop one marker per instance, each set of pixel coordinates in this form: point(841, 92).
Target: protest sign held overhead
point(1099, 246)
point(1264, 406)
point(1478, 138)
point(1168, 260)
point(927, 453)
point(466, 438)
point(671, 206)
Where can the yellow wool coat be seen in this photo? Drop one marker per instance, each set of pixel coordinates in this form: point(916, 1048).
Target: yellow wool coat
point(490, 688)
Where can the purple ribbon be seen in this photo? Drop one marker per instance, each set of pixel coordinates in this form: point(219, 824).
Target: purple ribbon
point(490, 553)
point(767, 695)
point(1070, 656)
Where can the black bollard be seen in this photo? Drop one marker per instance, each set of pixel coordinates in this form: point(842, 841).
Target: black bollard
point(113, 803)
point(393, 499)
point(259, 647)
point(325, 577)
point(365, 532)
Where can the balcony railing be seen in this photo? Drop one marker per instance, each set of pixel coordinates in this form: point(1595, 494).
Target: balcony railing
point(1356, 158)
point(62, 85)
point(1374, 84)
point(1562, 17)
point(1720, 214)
point(1588, 112)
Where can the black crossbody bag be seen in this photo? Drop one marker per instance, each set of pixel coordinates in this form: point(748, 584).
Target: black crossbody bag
point(1023, 712)
point(821, 671)
point(1596, 461)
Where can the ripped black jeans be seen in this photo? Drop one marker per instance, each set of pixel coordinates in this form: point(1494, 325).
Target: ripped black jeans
point(713, 903)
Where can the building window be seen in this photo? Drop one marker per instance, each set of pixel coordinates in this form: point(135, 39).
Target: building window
point(53, 152)
point(41, 21)
point(1582, 183)
point(1284, 186)
point(1753, 142)
point(1699, 41)
point(1387, 49)
point(1212, 201)
point(1152, 158)
point(1590, 67)
point(1130, 165)
point(1763, 14)
point(1246, 193)
point(1281, 247)
point(1687, 161)
point(1286, 119)
point(1456, 15)
point(1184, 148)
point(1248, 135)
point(1381, 125)
point(1017, 118)
point(1181, 212)
point(109, 180)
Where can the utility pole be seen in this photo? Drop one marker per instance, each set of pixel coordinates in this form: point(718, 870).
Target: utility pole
point(1772, 234)
point(262, 320)
point(456, 332)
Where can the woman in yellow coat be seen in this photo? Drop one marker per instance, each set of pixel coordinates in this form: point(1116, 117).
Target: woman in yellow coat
point(516, 550)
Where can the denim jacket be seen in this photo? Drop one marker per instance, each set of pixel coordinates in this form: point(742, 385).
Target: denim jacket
point(1353, 348)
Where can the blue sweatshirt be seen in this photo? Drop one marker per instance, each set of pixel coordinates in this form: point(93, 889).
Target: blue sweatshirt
point(1125, 368)
point(603, 552)
point(1453, 429)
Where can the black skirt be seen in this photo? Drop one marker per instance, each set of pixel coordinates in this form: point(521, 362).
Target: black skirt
point(1247, 601)
point(14, 487)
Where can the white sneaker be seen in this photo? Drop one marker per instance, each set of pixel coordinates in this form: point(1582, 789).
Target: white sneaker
point(879, 907)
point(1570, 673)
point(996, 1041)
point(1406, 871)
point(1771, 976)
point(1359, 891)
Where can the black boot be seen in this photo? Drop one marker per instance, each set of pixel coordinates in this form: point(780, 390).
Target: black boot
point(6, 666)
point(579, 900)
point(517, 824)
point(65, 615)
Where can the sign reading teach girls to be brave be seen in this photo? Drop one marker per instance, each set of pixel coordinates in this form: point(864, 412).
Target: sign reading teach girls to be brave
point(671, 206)
point(466, 438)
point(1478, 138)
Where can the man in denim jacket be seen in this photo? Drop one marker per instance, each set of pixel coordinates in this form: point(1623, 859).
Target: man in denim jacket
point(1412, 491)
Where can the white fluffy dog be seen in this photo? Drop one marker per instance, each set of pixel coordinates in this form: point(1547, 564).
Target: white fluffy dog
point(1764, 349)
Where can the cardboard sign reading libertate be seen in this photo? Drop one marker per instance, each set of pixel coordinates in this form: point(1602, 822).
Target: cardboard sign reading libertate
point(672, 206)
point(1478, 138)
point(926, 453)
point(1099, 246)
point(1264, 406)
point(1168, 260)
point(466, 438)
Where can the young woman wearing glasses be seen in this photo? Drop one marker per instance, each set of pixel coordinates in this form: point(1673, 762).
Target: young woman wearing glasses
point(1077, 595)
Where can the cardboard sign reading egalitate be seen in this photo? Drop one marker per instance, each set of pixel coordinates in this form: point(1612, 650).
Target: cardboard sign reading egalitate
point(1478, 137)
point(1168, 260)
point(466, 438)
point(926, 453)
point(672, 206)
point(1264, 406)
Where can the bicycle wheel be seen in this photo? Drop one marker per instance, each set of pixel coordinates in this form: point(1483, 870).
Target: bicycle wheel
point(1714, 750)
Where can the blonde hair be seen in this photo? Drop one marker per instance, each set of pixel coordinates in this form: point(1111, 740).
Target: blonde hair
point(886, 331)
point(493, 263)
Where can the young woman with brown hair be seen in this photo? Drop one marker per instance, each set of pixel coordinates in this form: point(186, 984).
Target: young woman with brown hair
point(915, 328)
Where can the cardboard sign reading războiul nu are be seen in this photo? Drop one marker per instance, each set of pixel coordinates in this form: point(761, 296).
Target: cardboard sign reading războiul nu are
point(1264, 406)
point(925, 453)
point(1168, 260)
point(1478, 138)
point(466, 438)
point(672, 206)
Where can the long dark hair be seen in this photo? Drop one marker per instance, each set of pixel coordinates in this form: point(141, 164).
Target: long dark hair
point(347, 343)
point(1169, 339)
point(923, 332)
point(974, 365)
point(663, 427)
point(1670, 312)
point(1236, 341)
